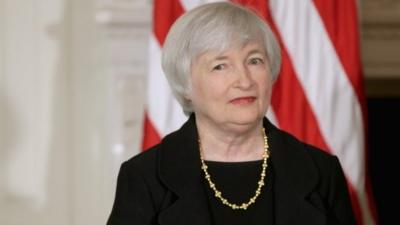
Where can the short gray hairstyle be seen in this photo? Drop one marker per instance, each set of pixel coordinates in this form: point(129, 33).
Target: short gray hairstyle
point(214, 26)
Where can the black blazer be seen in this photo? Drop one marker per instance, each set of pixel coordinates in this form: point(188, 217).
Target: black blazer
point(164, 184)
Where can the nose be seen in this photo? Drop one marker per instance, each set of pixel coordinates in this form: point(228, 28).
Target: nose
point(244, 79)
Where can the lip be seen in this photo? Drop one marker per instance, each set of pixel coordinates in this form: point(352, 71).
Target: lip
point(243, 100)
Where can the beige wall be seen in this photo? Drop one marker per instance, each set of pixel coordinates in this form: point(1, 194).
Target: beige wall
point(33, 148)
point(71, 105)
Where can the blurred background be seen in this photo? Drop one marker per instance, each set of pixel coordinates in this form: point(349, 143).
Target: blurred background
point(72, 94)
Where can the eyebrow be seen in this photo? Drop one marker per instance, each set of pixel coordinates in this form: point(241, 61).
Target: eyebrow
point(254, 51)
point(223, 57)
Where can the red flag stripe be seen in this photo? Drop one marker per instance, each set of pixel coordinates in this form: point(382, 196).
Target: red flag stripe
point(342, 31)
point(291, 107)
point(165, 13)
point(151, 136)
point(341, 23)
point(288, 96)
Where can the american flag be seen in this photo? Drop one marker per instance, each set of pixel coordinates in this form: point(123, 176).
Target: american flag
point(318, 96)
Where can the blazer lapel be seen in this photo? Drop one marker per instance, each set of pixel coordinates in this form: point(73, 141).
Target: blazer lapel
point(295, 177)
point(179, 162)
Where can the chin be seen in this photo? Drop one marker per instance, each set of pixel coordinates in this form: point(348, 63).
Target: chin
point(247, 119)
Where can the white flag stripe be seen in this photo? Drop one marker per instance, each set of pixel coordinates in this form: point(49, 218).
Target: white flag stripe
point(163, 109)
point(313, 55)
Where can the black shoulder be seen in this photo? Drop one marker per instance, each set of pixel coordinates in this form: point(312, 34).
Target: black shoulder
point(140, 192)
point(326, 164)
point(321, 158)
point(331, 185)
point(145, 161)
point(146, 164)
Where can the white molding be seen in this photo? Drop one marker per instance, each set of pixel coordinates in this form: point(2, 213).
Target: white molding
point(131, 13)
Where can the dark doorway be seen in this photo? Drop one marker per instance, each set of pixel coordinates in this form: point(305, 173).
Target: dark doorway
point(384, 146)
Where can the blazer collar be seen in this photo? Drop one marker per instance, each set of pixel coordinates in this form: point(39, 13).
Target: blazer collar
point(294, 173)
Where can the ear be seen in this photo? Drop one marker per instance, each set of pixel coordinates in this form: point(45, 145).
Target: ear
point(187, 96)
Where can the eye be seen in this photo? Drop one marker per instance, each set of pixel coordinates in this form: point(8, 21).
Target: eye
point(219, 67)
point(256, 61)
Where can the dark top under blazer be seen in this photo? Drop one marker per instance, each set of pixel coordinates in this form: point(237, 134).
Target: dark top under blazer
point(164, 184)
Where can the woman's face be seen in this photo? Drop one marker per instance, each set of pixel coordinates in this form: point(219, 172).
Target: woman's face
point(231, 88)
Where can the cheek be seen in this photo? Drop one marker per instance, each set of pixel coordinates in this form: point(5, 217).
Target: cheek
point(194, 94)
point(219, 89)
point(200, 91)
point(213, 86)
point(266, 90)
point(264, 82)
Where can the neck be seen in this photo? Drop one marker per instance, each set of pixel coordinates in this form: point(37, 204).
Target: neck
point(230, 145)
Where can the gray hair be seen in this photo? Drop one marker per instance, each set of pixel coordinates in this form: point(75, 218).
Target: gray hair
point(215, 26)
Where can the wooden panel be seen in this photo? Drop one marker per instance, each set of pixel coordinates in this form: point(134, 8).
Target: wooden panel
point(383, 87)
point(380, 42)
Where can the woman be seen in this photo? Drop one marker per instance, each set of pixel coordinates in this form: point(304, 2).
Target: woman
point(228, 164)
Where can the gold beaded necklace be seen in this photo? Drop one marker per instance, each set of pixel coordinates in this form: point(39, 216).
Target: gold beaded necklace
point(261, 183)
